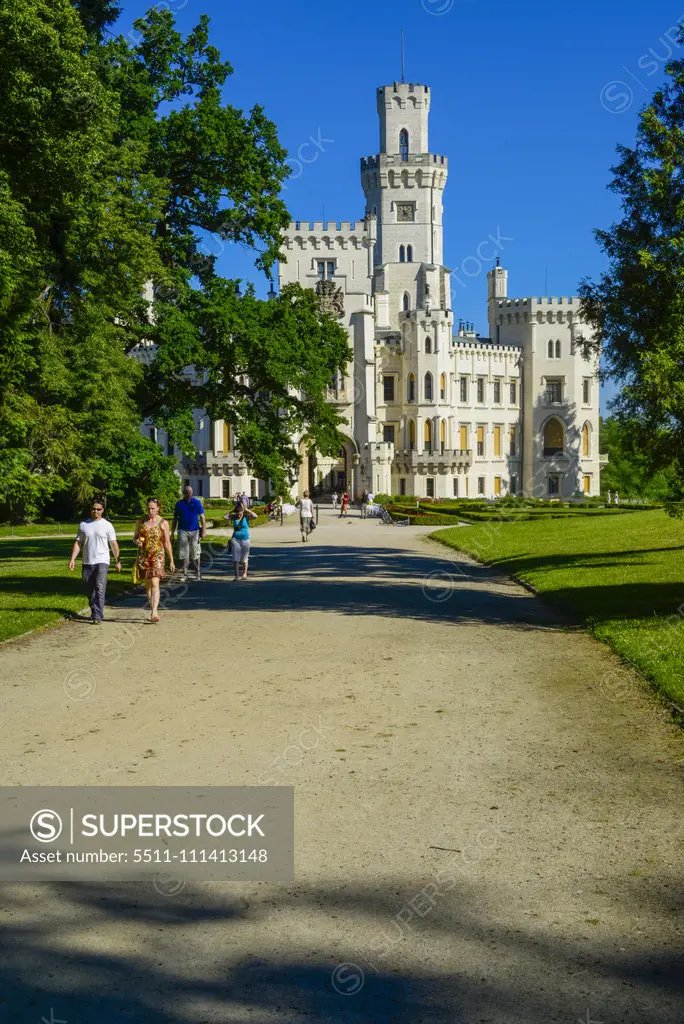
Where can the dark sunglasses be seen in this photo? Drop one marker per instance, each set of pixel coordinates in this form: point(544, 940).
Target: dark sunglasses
point(96, 508)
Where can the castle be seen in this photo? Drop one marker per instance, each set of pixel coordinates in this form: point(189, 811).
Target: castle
point(429, 412)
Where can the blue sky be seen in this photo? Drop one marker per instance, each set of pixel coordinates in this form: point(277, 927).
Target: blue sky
point(529, 100)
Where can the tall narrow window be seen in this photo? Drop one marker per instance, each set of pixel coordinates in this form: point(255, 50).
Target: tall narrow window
point(586, 440)
point(412, 434)
point(428, 346)
point(427, 435)
point(512, 445)
point(427, 387)
point(480, 389)
point(514, 393)
point(497, 486)
point(455, 487)
point(407, 302)
point(442, 387)
point(550, 350)
point(586, 483)
point(480, 485)
point(430, 487)
point(480, 441)
point(463, 437)
point(411, 388)
point(409, 254)
point(497, 392)
point(514, 484)
point(586, 391)
point(442, 435)
point(402, 254)
point(226, 437)
point(225, 488)
point(497, 441)
point(388, 432)
point(403, 144)
point(463, 392)
point(320, 269)
point(558, 350)
point(388, 388)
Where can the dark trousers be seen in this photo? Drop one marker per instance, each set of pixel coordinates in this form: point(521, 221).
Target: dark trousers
point(95, 584)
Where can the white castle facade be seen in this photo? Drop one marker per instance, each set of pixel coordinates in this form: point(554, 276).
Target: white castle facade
point(429, 412)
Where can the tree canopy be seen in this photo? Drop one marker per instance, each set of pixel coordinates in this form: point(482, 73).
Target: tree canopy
point(122, 166)
point(637, 306)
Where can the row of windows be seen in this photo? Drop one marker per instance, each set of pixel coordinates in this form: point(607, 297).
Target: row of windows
point(406, 254)
point(389, 387)
point(553, 486)
point(499, 433)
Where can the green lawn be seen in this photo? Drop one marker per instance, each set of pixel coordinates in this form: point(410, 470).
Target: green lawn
point(68, 530)
point(623, 577)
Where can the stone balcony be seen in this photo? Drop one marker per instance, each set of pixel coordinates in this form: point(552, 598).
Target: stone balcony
point(339, 396)
point(450, 460)
point(604, 460)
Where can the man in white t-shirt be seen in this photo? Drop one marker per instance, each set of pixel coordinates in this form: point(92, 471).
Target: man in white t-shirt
point(95, 537)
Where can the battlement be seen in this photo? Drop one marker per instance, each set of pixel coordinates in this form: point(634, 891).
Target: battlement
point(327, 227)
point(395, 160)
point(484, 347)
point(402, 94)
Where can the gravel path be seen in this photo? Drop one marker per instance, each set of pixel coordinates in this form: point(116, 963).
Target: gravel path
point(487, 804)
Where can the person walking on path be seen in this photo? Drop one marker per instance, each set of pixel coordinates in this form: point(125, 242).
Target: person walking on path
point(189, 516)
point(306, 513)
point(94, 538)
point(335, 500)
point(154, 543)
point(240, 541)
point(345, 505)
point(364, 505)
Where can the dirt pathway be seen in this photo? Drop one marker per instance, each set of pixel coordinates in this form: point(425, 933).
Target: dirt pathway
point(487, 807)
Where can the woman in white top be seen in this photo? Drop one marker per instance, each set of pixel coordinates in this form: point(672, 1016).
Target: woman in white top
point(306, 511)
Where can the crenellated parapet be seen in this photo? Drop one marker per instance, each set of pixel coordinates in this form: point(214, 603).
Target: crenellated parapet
point(325, 235)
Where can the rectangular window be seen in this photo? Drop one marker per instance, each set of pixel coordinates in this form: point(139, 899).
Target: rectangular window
point(402, 485)
point(200, 487)
point(497, 392)
point(480, 389)
point(554, 486)
point(463, 385)
point(388, 388)
point(320, 269)
point(463, 431)
point(586, 391)
point(388, 433)
point(226, 488)
point(497, 441)
point(587, 484)
point(480, 485)
point(480, 441)
point(467, 487)
point(512, 446)
point(497, 486)
point(331, 269)
point(514, 392)
point(455, 487)
point(514, 484)
point(442, 388)
point(554, 391)
point(226, 437)
point(430, 487)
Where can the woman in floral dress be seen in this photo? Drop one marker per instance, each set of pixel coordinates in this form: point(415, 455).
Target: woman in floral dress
point(154, 542)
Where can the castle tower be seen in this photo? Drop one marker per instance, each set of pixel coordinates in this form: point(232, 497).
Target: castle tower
point(404, 183)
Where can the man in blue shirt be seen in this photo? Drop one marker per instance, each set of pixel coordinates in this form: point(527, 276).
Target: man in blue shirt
point(188, 515)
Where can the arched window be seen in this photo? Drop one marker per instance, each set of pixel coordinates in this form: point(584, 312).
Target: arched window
point(427, 435)
point(554, 437)
point(403, 144)
point(586, 440)
point(558, 350)
point(442, 387)
point(427, 388)
point(412, 434)
point(428, 346)
point(550, 350)
point(442, 435)
point(409, 254)
point(411, 388)
point(402, 254)
point(407, 302)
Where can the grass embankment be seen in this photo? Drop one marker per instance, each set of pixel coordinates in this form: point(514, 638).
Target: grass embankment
point(622, 576)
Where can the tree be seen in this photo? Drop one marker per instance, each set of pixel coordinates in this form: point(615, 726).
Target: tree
point(629, 471)
point(637, 306)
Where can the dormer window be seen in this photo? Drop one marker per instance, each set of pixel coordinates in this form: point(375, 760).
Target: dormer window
point(403, 144)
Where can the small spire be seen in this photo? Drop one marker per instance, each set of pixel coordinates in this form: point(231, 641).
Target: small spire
point(498, 262)
point(403, 60)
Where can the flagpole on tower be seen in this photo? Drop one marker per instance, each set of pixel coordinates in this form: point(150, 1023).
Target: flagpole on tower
point(403, 61)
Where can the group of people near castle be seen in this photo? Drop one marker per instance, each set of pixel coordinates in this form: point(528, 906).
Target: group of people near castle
point(154, 540)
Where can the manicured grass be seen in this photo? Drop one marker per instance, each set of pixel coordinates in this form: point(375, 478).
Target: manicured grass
point(622, 576)
point(68, 530)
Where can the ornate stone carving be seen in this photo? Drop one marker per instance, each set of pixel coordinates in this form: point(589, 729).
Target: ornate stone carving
point(331, 298)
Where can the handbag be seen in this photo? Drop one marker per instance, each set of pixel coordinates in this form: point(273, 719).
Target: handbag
point(312, 525)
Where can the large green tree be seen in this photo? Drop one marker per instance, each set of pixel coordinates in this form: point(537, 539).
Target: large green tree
point(629, 470)
point(122, 165)
point(637, 306)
